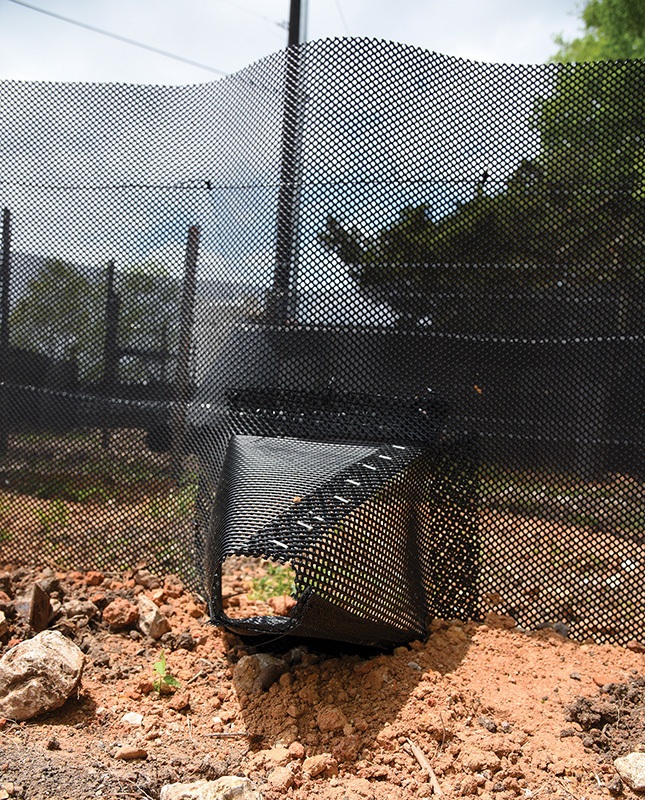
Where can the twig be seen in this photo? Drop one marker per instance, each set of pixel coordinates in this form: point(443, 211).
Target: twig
point(567, 790)
point(232, 735)
point(531, 793)
point(194, 678)
point(423, 762)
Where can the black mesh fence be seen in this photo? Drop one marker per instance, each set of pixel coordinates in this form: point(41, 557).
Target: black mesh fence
point(351, 253)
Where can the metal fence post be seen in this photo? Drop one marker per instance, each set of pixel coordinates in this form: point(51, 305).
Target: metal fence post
point(184, 348)
point(110, 347)
point(5, 277)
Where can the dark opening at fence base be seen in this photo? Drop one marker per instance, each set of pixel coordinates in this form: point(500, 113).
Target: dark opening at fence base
point(381, 538)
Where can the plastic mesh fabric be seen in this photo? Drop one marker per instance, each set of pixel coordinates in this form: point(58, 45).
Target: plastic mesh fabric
point(381, 537)
point(297, 253)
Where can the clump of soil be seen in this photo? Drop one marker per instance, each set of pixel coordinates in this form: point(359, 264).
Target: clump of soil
point(614, 721)
point(477, 710)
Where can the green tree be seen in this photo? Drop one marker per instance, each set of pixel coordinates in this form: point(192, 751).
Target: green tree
point(574, 216)
point(62, 315)
point(613, 30)
point(58, 315)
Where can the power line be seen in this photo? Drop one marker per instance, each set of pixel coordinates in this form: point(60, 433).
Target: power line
point(119, 38)
point(342, 17)
point(277, 24)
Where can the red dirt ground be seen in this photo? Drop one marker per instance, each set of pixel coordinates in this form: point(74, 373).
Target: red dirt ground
point(486, 706)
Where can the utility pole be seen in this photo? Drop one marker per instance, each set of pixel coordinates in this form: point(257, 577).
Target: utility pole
point(297, 22)
point(281, 298)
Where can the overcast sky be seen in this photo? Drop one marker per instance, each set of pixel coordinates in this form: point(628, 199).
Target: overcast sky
point(228, 35)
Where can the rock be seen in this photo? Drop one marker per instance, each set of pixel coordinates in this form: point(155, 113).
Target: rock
point(562, 628)
point(56, 607)
point(296, 750)
point(151, 621)
point(40, 609)
point(631, 769)
point(179, 701)
point(477, 760)
point(185, 641)
point(282, 605)
point(330, 719)
point(635, 646)
point(227, 788)
point(22, 606)
point(145, 578)
point(120, 613)
point(133, 718)
point(258, 672)
point(196, 611)
point(276, 757)
point(38, 675)
point(79, 608)
point(129, 753)
point(4, 625)
point(316, 765)
point(48, 581)
point(281, 779)
point(93, 578)
point(5, 583)
point(173, 587)
point(590, 712)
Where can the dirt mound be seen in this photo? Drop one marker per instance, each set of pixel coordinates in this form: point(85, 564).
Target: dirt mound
point(478, 710)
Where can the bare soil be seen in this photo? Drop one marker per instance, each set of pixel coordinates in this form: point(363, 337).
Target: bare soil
point(495, 712)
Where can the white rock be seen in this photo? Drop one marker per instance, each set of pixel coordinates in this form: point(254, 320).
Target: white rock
point(132, 718)
point(227, 788)
point(4, 625)
point(151, 621)
point(38, 675)
point(631, 769)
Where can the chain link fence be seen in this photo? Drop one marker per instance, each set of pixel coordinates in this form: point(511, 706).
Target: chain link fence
point(346, 219)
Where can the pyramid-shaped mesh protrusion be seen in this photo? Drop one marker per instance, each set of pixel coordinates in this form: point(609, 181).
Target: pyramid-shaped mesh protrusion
point(381, 537)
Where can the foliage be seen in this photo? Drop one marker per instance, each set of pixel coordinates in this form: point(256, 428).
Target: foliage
point(54, 517)
point(278, 580)
point(614, 30)
point(63, 315)
point(179, 503)
point(573, 216)
point(58, 314)
point(164, 680)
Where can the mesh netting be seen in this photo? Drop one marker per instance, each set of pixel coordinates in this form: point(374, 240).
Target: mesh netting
point(242, 291)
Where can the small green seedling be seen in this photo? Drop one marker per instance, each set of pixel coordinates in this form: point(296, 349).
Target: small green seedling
point(164, 680)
